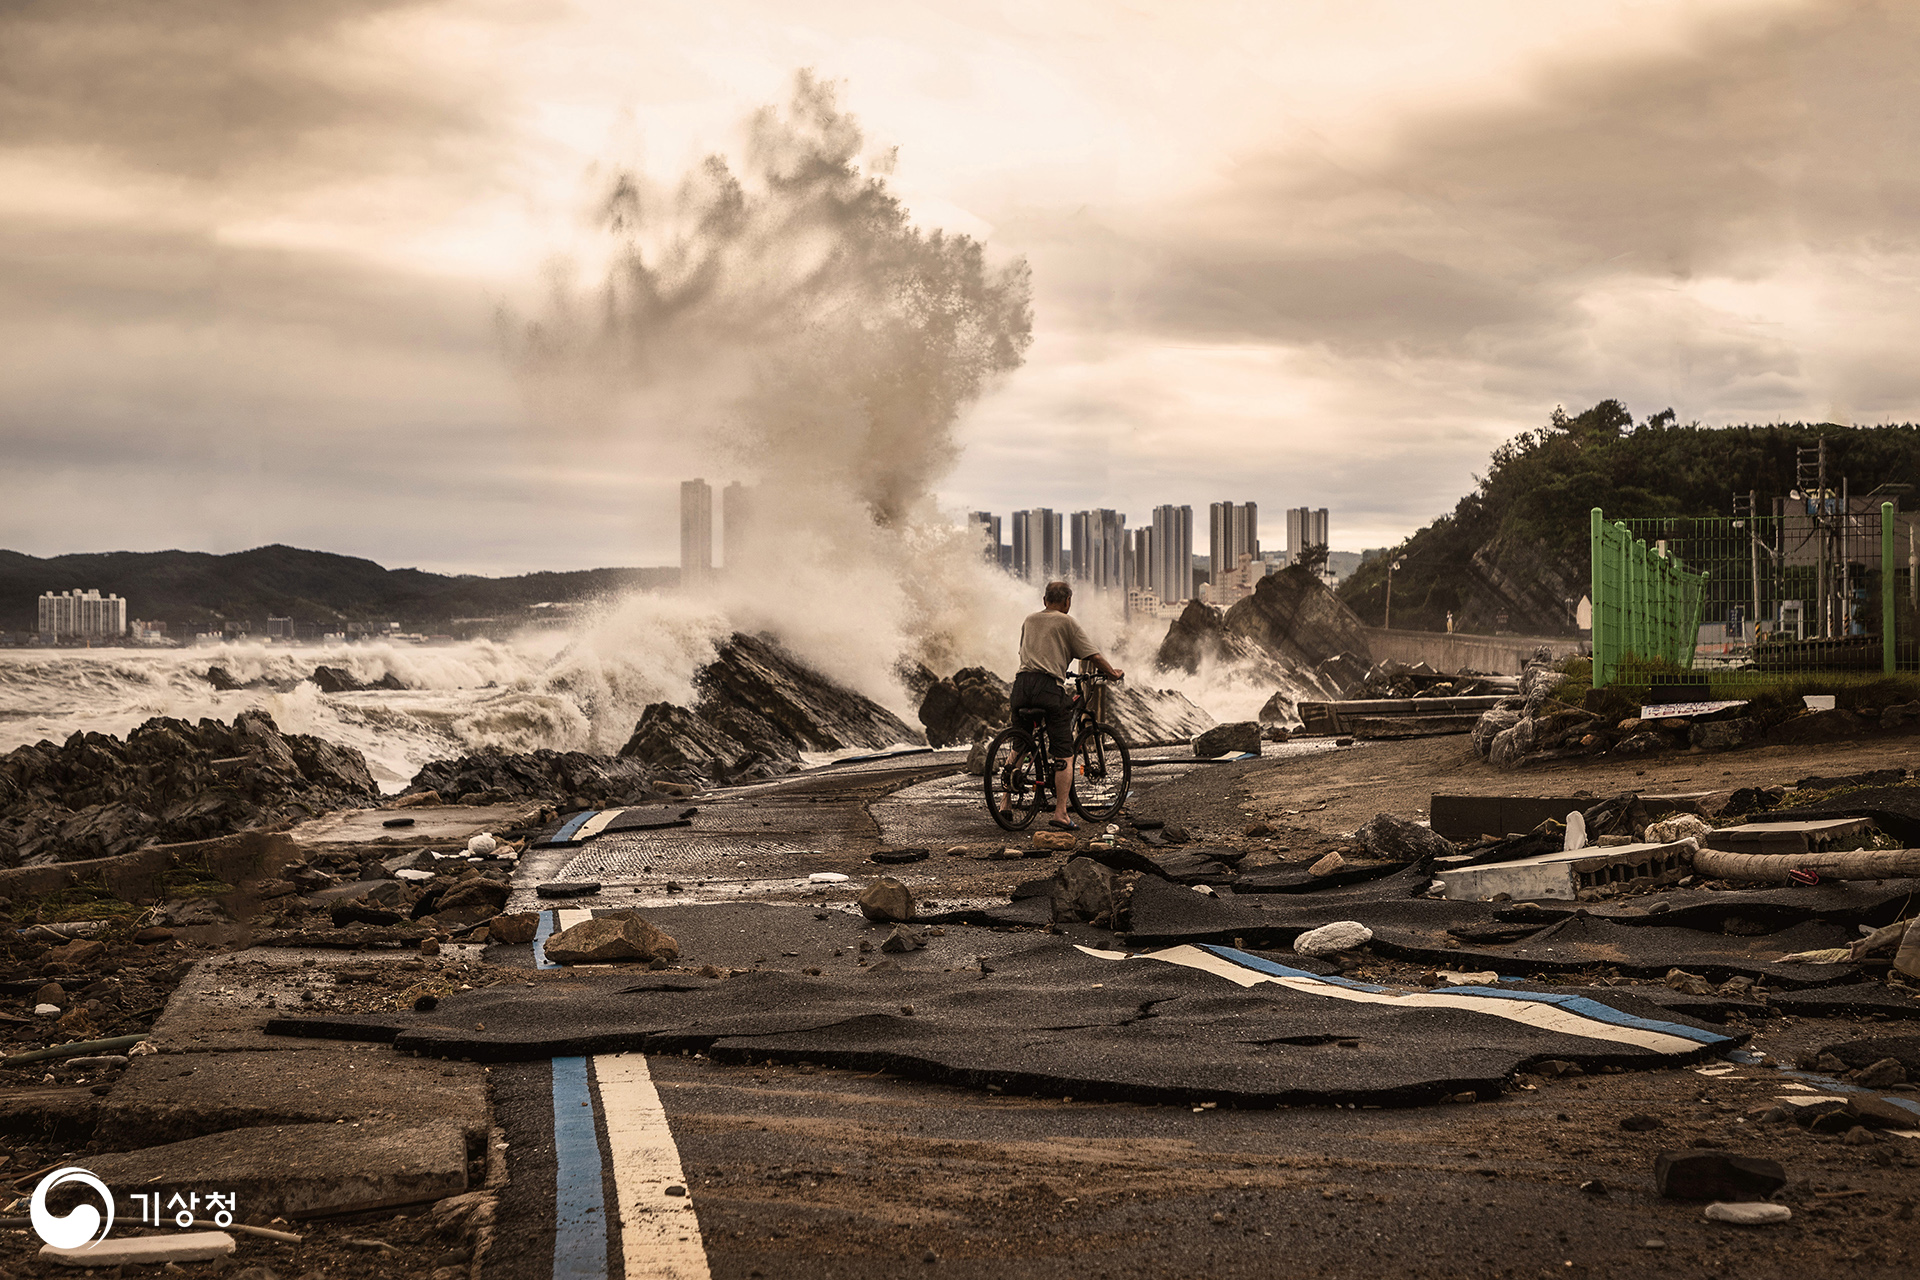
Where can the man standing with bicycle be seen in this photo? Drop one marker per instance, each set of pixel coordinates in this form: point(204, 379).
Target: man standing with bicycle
point(1048, 641)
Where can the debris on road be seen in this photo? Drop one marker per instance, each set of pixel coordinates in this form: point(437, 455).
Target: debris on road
point(886, 899)
point(605, 939)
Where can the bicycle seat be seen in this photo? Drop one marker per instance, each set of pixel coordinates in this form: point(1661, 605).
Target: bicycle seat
point(1030, 716)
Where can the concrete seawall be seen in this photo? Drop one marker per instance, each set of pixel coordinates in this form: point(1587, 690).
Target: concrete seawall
point(1451, 651)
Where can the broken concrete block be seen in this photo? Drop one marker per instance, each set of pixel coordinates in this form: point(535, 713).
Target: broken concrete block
point(606, 939)
point(515, 929)
point(1716, 1175)
point(1748, 1213)
point(1058, 841)
point(152, 1251)
point(1390, 839)
point(1341, 935)
point(886, 899)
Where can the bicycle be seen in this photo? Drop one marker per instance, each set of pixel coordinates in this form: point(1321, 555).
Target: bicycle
point(1020, 770)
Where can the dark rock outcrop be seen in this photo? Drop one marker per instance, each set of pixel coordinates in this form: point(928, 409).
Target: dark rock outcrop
point(1145, 717)
point(960, 708)
point(1224, 739)
point(492, 776)
point(1294, 615)
point(94, 796)
point(756, 710)
point(1196, 636)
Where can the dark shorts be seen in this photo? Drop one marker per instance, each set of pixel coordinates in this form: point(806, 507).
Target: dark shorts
point(1038, 689)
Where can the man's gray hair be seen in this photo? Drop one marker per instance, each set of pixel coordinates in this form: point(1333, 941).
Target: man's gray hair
point(1057, 593)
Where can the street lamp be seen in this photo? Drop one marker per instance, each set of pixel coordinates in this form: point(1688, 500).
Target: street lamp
point(1386, 620)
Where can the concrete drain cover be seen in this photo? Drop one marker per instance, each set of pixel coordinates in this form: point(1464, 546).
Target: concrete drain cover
point(641, 857)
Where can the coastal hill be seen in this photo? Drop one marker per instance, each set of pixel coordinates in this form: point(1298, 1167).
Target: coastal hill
point(1514, 551)
point(316, 589)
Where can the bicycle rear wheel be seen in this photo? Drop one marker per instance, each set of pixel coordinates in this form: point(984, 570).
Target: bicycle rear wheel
point(1012, 781)
point(1101, 773)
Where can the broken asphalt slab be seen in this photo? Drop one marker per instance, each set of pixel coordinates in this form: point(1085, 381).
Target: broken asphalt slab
point(1056, 1018)
point(301, 1170)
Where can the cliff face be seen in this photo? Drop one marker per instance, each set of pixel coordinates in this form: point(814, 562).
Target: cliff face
point(1519, 587)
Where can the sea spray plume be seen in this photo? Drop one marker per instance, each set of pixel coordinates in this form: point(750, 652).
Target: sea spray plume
point(809, 327)
point(790, 325)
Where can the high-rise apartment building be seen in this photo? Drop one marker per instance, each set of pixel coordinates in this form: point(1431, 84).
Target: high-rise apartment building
point(1172, 553)
point(736, 524)
point(984, 528)
point(82, 613)
point(1233, 530)
point(1099, 549)
point(1305, 528)
point(1036, 545)
point(696, 534)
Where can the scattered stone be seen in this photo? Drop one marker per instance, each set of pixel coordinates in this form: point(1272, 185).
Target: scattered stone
point(1715, 1175)
point(1389, 839)
point(886, 899)
point(1748, 1213)
point(1883, 1074)
point(1327, 865)
point(1859, 1136)
point(1341, 935)
point(417, 800)
point(398, 822)
point(902, 940)
point(52, 994)
point(899, 857)
point(1085, 890)
point(476, 896)
point(1687, 983)
point(429, 946)
point(1055, 841)
point(611, 938)
point(1641, 1124)
point(515, 929)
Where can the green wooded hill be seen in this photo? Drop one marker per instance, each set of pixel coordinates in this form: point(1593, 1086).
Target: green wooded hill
point(190, 589)
point(1517, 545)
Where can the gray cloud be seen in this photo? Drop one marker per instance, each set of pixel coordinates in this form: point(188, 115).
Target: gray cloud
point(215, 89)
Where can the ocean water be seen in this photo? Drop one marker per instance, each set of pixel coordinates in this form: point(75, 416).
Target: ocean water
point(578, 690)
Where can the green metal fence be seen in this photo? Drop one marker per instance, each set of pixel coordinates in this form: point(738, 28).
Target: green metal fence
point(1813, 589)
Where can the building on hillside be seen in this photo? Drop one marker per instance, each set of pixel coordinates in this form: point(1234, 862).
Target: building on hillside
point(696, 535)
point(1172, 563)
point(1306, 527)
point(1227, 589)
point(82, 613)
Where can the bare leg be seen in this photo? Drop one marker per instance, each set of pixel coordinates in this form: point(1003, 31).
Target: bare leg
point(1062, 788)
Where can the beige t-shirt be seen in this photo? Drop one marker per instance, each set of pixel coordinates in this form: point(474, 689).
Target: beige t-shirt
point(1049, 640)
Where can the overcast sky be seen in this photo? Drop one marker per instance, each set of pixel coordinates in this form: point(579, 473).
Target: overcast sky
point(253, 254)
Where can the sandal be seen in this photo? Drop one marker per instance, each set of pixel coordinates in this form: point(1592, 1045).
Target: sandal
point(1063, 824)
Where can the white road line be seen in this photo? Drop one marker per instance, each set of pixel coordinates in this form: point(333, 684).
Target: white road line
point(1547, 1017)
point(596, 824)
point(659, 1234)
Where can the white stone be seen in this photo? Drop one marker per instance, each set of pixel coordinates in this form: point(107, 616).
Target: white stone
point(826, 877)
point(1341, 935)
point(46, 1011)
point(482, 845)
point(1748, 1213)
point(1576, 832)
point(186, 1246)
point(409, 873)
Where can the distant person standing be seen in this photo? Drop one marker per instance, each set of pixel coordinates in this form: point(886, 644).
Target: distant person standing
point(1048, 641)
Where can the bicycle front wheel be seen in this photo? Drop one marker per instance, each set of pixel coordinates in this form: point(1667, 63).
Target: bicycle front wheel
point(1012, 781)
point(1101, 773)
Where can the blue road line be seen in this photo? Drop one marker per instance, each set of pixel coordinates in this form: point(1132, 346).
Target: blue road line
point(579, 1208)
point(1587, 1007)
point(1260, 964)
point(1830, 1085)
point(541, 932)
point(565, 834)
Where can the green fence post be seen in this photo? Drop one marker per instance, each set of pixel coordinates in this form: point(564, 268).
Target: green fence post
point(1887, 576)
point(1596, 573)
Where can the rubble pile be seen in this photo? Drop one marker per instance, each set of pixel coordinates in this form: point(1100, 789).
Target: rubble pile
point(1533, 725)
point(94, 796)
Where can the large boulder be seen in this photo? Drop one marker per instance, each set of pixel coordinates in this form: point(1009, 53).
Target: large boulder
point(1228, 739)
point(1390, 839)
point(336, 680)
point(607, 939)
point(1491, 724)
point(959, 709)
point(1342, 673)
point(1086, 890)
point(1146, 717)
point(1279, 710)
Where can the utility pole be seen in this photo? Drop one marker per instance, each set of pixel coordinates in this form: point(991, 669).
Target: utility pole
point(1386, 619)
point(1812, 475)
